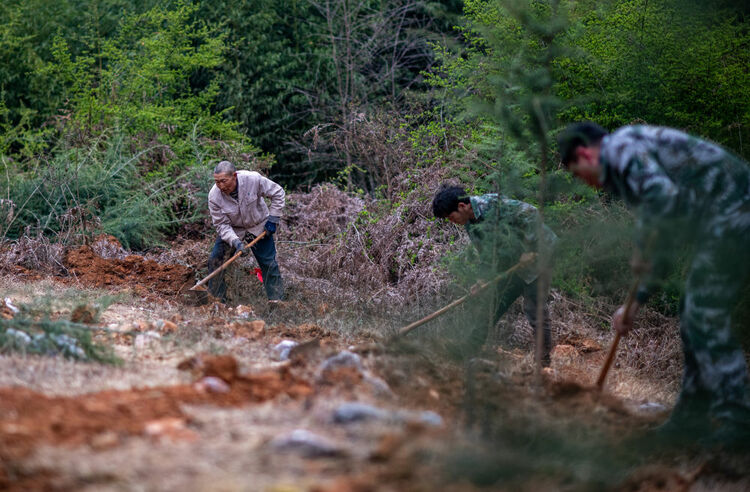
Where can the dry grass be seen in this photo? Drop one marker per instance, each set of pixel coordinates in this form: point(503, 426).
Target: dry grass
point(366, 252)
point(33, 253)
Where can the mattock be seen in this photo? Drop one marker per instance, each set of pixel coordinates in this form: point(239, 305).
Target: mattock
point(613, 348)
point(199, 286)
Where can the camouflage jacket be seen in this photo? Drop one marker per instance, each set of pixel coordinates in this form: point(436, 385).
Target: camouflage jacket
point(682, 188)
point(509, 227)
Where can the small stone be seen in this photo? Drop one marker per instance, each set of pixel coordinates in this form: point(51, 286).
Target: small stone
point(68, 345)
point(169, 427)
point(11, 307)
point(358, 412)
point(160, 426)
point(244, 312)
point(146, 339)
point(283, 348)
point(341, 360)
point(651, 407)
point(307, 444)
point(211, 384)
point(344, 368)
point(19, 337)
point(430, 418)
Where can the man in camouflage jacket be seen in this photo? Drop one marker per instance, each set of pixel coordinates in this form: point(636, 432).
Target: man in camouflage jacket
point(502, 230)
point(684, 190)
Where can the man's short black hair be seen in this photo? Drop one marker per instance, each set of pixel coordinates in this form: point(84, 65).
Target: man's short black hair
point(447, 199)
point(583, 134)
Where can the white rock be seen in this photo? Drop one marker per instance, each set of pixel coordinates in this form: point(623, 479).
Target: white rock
point(143, 340)
point(9, 304)
point(211, 384)
point(358, 412)
point(20, 336)
point(244, 312)
point(283, 348)
point(69, 345)
point(430, 418)
point(307, 444)
point(341, 360)
point(651, 407)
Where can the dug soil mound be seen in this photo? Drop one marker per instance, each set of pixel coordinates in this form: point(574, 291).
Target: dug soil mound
point(144, 276)
point(28, 418)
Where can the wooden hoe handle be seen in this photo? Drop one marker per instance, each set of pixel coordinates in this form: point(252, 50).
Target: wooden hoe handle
point(406, 329)
point(613, 348)
point(228, 262)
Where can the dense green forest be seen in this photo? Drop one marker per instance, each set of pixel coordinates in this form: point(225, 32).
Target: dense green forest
point(113, 112)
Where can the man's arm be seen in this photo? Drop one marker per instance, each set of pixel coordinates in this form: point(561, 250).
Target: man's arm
point(531, 222)
point(221, 222)
point(275, 193)
point(657, 194)
point(658, 205)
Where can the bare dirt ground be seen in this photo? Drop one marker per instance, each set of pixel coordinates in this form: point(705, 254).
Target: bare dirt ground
point(203, 399)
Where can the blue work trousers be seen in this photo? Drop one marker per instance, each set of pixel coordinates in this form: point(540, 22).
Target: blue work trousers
point(264, 252)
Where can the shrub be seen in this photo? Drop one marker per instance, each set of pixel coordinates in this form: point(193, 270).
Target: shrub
point(30, 328)
point(79, 192)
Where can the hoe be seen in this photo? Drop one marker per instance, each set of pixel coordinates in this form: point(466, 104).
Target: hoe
point(199, 286)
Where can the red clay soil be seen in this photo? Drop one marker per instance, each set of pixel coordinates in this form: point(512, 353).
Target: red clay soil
point(134, 271)
point(220, 366)
point(303, 332)
point(28, 418)
point(25, 273)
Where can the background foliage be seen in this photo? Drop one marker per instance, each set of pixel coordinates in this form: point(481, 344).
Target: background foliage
point(115, 107)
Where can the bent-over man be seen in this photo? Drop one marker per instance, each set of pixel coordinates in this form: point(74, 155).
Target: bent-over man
point(239, 213)
point(684, 190)
point(502, 230)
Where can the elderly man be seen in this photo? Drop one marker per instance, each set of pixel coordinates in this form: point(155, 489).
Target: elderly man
point(239, 213)
point(684, 190)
